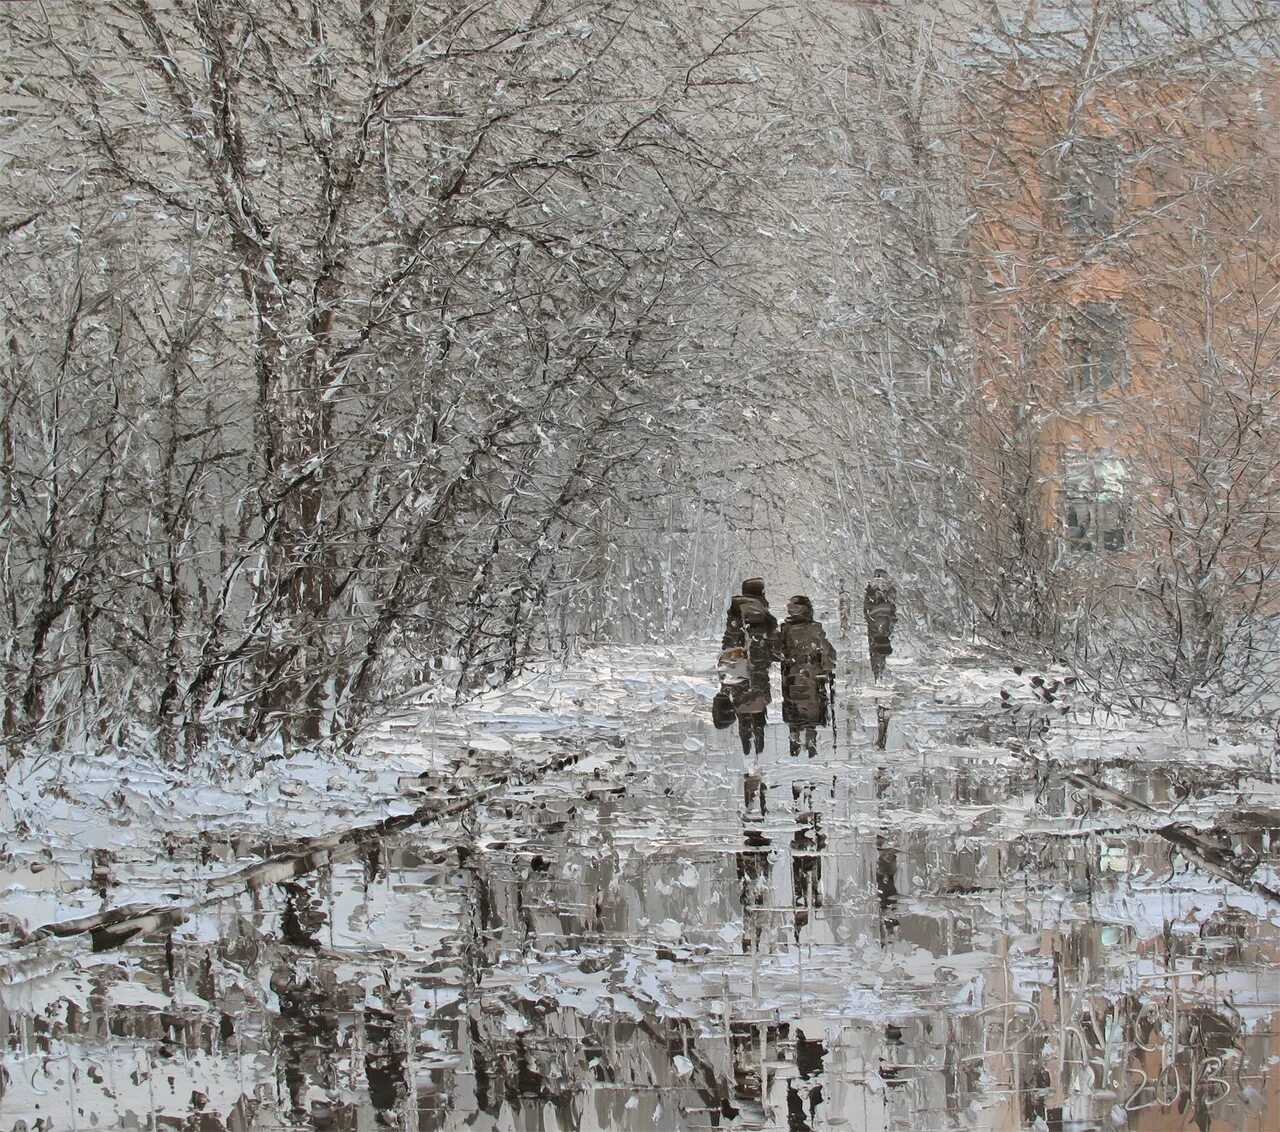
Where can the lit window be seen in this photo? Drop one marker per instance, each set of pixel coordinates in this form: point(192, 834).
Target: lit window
point(1094, 511)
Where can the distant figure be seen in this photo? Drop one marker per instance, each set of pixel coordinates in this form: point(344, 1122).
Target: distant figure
point(750, 641)
point(880, 607)
point(808, 665)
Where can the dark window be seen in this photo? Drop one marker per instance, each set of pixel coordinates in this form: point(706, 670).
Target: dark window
point(1095, 349)
point(1094, 509)
point(1090, 187)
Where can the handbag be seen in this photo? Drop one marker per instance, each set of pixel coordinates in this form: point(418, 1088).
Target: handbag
point(733, 667)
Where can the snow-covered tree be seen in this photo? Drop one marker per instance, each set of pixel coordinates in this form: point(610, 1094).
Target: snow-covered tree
point(334, 330)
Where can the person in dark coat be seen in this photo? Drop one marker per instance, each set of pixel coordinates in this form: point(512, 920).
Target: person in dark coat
point(753, 629)
point(880, 608)
point(750, 607)
point(808, 666)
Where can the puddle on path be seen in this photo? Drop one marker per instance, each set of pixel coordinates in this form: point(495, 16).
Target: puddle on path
point(935, 936)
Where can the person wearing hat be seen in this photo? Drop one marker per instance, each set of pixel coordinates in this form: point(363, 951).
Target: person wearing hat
point(750, 607)
point(808, 667)
point(752, 631)
point(880, 608)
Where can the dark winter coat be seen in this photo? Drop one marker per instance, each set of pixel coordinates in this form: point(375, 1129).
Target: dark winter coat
point(808, 661)
point(753, 628)
point(747, 612)
point(880, 607)
point(754, 695)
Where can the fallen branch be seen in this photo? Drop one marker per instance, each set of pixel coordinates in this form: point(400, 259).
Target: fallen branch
point(114, 926)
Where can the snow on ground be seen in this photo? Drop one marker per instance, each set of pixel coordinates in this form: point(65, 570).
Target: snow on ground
point(955, 872)
point(61, 808)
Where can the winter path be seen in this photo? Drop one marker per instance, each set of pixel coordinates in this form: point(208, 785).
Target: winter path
point(575, 905)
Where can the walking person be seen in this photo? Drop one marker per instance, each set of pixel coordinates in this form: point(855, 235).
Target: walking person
point(808, 667)
point(880, 608)
point(750, 646)
point(750, 607)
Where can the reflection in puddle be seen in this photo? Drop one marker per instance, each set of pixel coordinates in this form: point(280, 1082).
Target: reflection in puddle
point(915, 938)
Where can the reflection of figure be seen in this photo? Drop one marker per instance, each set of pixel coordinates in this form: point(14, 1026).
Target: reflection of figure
point(804, 1094)
point(807, 844)
point(753, 863)
point(886, 885)
point(753, 630)
point(754, 872)
point(808, 662)
point(880, 608)
point(882, 726)
point(308, 1037)
point(752, 1047)
point(384, 1063)
point(890, 1070)
point(303, 916)
point(374, 865)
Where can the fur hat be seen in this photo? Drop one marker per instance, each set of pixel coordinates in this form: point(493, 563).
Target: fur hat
point(799, 608)
point(753, 586)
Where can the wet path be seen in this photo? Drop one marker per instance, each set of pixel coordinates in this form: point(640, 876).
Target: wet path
point(953, 932)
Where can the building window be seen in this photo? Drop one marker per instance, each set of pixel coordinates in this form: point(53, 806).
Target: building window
point(1095, 349)
point(1094, 510)
point(1090, 193)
